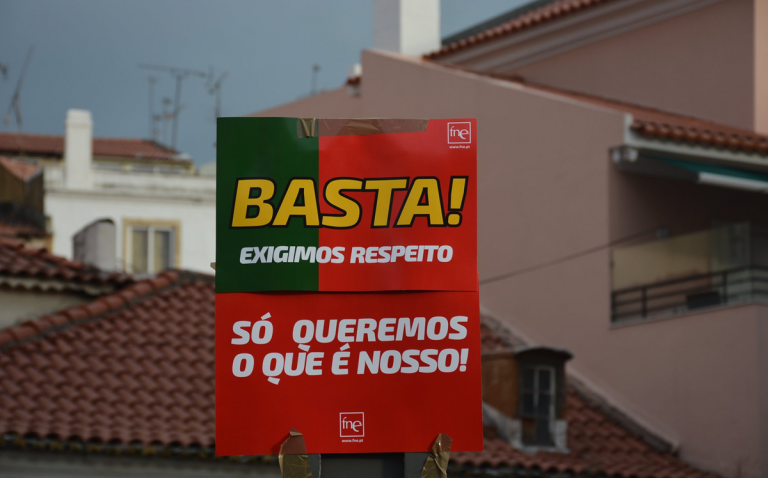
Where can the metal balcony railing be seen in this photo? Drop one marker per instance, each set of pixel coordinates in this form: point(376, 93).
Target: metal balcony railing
point(694, 292)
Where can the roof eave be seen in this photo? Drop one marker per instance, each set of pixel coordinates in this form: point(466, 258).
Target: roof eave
point(635, 143)
point(547, 34)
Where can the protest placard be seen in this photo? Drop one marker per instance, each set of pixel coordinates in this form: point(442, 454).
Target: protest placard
point(346, 278)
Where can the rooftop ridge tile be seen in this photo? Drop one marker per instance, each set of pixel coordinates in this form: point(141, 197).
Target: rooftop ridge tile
point(33, 143)
point(79, 314)
point(525, 20)
point(18, 261)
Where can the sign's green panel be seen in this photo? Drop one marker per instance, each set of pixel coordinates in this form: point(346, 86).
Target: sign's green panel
point(251, 148)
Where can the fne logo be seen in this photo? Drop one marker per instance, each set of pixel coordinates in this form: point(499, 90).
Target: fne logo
point(351, 424)
point(459, 133)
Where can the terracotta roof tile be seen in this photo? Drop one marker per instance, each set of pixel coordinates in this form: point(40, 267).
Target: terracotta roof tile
point(50, 145)
point(701, 133)
point(145, 387)
point(595, 441)
point(160, 393)
point(490, 341)
point(18, 229)
point(529, 19)
point(21, 169)
point(20, 262)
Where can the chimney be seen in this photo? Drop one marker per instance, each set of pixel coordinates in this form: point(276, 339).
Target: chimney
point(353, 80)
point(78, 143)
point(96, 244)
point(411, 27)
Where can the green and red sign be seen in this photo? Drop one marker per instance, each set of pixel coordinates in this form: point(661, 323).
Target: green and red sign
point(346, 280)
point(345, 212)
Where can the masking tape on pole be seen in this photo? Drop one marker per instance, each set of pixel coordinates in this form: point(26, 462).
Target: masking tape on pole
point(436, 465)
point(294, 460)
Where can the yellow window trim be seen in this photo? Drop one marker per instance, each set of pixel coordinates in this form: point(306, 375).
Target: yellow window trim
point(175, 224)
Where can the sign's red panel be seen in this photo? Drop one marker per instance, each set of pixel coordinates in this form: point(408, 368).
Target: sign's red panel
point(354, 372)
point(436, 248)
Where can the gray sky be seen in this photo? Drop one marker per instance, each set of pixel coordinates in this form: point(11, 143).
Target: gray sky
point(87, 52)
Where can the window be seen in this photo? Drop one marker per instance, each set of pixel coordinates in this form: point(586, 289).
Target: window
point(150, 247)
point(538, 398)
point(524, 392)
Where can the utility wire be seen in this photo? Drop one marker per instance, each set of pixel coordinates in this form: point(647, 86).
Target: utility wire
point(569, 257)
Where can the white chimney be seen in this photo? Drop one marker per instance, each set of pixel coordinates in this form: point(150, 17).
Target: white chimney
point(411, 27)
point(96, 244)
point(78, 143)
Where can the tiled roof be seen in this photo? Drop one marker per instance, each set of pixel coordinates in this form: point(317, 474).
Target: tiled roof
point(702, 133)
point(46, 145)
point(137, 368)
point(21, 169)
point(494, 338)
point(525, 21)
point(597, 444)
point(16, 229)
point(28, 267)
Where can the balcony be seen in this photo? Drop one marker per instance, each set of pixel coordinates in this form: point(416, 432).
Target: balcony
point(721, 266)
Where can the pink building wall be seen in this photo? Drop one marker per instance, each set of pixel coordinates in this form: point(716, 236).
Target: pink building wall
point(547, 190)
point(761, 65)
point(702, 63)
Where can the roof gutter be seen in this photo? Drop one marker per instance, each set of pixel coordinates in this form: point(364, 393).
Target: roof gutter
point(636, 145)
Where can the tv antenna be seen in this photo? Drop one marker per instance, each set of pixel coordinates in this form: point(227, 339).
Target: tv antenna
point(165, 116)
point(168, 114)
point(179, 74)
point(315, 71)
point(153, 132)
point(3, 71)
point(15, 106)
point(216, 90)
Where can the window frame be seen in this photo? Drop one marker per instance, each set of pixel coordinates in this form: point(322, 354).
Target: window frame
point(537, 391)
point(151, 225)
point(554, 359)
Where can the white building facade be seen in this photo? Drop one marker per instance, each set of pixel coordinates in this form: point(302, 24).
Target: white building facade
point(162, 209)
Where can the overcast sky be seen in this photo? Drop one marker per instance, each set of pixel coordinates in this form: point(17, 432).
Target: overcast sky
point(87, 54)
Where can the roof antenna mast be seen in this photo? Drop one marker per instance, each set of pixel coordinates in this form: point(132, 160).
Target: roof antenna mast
point(315, 71)
point(179, 74)
point(15, 106)
point(3, 72)
point(216, 90)
point(153, 118)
